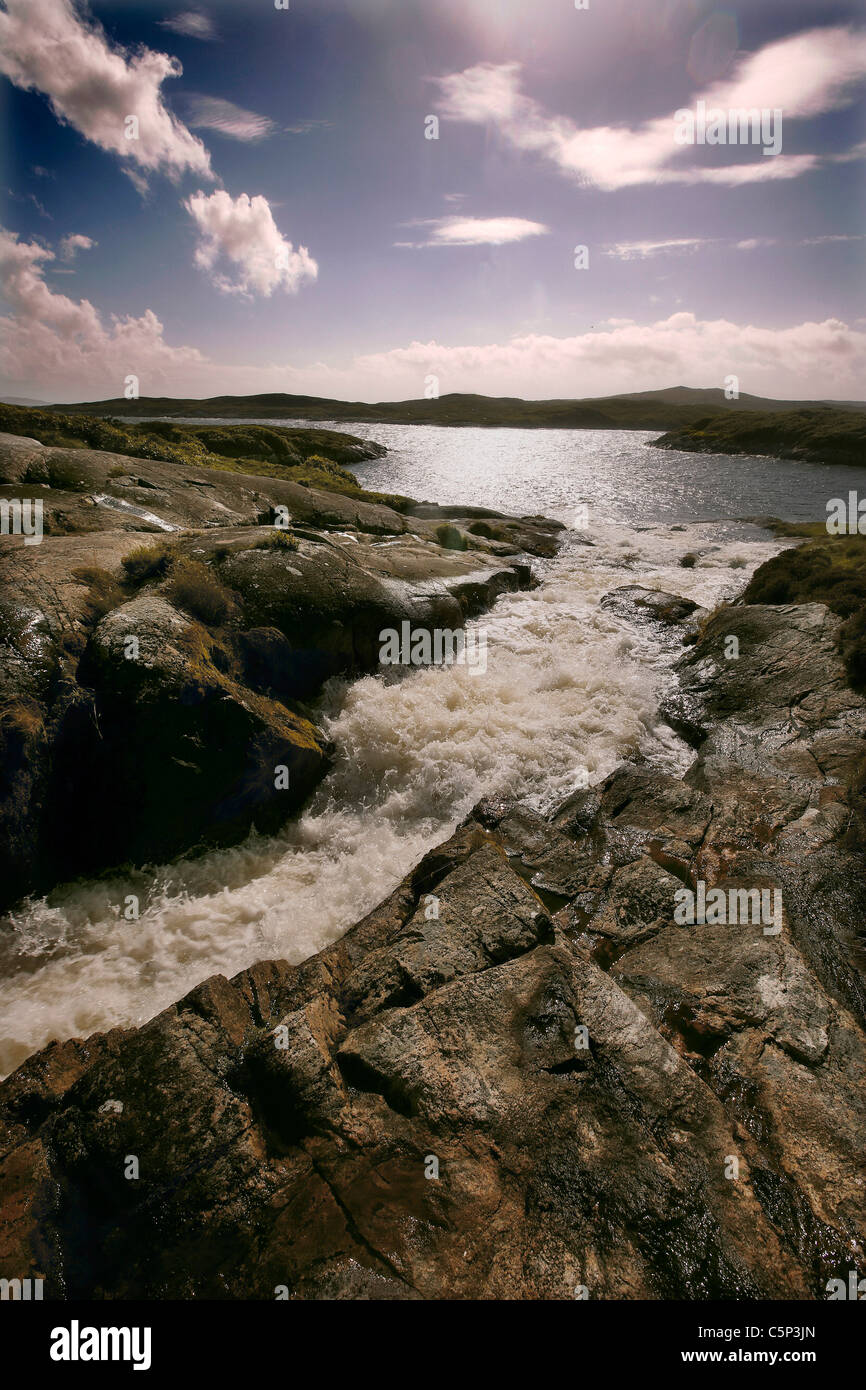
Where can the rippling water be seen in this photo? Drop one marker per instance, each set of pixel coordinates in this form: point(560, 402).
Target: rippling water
point(615, 472)
point(568, 687)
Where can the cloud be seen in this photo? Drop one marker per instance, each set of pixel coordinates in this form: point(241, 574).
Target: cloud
point(74, 243)
point(759, 243)
point(830, 240)
point(192, 24)
point(476, 231)
point(641, 250)
point(214, 113)
point(92, 84)
point(807, 361)
point(242, 231)
point(66, 344)
point(58, 348)
point(306, 127)
point(29, 198)
point(804, 75)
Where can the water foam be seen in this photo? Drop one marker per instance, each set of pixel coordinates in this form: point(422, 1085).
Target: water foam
point(568, 687)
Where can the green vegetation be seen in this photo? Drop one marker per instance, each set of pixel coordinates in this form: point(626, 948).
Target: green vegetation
point(831, 570)
point(489, 532)
point(314, 458)
point(823, 434)
point(805, 529)
point(321, 472)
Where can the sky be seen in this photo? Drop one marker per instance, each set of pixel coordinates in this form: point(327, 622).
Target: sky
point(374, 199)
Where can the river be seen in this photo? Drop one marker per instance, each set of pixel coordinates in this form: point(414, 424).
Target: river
point(569, 690)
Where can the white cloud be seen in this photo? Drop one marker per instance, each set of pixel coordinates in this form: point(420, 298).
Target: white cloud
point(65, 342)
point(804, 75)
point(476, 231)
point(74, 243)
point(757, 243)
point(214, 113)
point(805, 361)
point(642, 250)
point(830, 240)
point(29, 198)
point(50, 46)
point(242, 232)
point(191, 23)
point(58, 348)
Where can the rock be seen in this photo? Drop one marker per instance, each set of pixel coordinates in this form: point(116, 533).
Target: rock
point(654, 607)
point(786, 677)
point(109, 757)
point(466, 1097)
point(314, 1160)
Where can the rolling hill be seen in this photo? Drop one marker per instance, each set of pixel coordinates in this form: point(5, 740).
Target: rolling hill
point(673, 408)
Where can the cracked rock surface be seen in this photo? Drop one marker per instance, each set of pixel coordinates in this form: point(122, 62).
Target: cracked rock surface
point(518, 1077)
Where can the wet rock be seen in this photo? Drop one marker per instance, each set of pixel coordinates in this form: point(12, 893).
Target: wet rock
point(777, 670)
point(456, 1144)
point(552, 862)
point(666, 613)
point(638, 903)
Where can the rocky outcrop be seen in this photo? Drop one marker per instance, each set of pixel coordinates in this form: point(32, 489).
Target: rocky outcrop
point(159, 645)
point(817, 432)
point(669, 615)
point(524, 1075)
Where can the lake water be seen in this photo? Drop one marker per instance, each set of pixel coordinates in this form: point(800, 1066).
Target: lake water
point(570, 690)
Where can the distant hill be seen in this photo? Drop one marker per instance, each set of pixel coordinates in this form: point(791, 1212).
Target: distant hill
point(669, 409)
point(22, 400)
